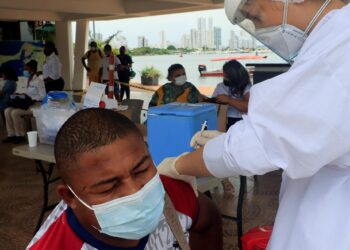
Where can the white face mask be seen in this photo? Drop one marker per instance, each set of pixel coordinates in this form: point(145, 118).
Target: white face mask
point(180, 80)
point(131, 217)
point(285, 40)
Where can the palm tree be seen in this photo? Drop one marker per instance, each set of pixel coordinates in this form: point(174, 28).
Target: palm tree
point(109, 39)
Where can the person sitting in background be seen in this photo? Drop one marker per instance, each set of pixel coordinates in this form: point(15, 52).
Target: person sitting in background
point(104, 70)
point(93, 56)
point(35, 92)
point(52, 69)
point(234, 91)
point(177, 90)
point(113, 197)
point(10, 85)
point(124, 72)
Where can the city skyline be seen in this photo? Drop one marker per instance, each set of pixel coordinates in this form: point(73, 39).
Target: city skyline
point(174, 29)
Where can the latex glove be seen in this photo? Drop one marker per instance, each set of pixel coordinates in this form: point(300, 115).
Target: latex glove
point(167, 168)
point(201, 138)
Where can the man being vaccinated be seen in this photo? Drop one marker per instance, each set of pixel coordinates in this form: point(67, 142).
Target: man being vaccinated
point(113, 197)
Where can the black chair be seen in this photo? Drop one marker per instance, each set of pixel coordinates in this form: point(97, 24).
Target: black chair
point(136, 107)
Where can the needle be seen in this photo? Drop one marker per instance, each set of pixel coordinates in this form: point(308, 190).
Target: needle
point(204, 126)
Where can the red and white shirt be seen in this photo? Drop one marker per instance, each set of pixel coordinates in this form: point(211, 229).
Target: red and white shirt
point(62, 230)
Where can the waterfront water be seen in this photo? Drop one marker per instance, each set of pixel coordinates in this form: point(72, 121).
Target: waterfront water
point(191, 62)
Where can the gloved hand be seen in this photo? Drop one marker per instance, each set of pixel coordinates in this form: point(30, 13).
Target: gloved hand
point(167, 168)
point(201, 138)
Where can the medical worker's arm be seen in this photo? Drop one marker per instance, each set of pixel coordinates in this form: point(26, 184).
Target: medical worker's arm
point(286, 127)
point(206, 232)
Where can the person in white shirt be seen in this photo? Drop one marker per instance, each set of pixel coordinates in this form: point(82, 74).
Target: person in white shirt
point(234, 91)
point(297, 122)
point(104, 70)
point(52, 69)
point(35, 92)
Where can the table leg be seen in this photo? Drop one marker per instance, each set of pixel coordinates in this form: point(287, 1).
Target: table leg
point(46, 177)
point(42, 171)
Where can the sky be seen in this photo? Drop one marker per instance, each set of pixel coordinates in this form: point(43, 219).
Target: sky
point(174, 26)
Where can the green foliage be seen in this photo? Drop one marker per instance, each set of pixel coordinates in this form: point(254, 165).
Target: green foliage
point(149, 51)
point(171, 47)
point(151, 72)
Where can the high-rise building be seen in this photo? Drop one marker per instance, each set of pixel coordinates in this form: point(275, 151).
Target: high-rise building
point(202, 36)
point(185, 41)
point(210, 33)
point(247, 41)
point(162, 42)
point(142, 42)
point(194, 39)
point(233, 43)
point(217, 37)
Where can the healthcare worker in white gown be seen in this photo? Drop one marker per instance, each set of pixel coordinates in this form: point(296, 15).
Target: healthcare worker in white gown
point(298, 121)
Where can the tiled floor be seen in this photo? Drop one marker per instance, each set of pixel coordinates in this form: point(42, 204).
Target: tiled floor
point(21, 197)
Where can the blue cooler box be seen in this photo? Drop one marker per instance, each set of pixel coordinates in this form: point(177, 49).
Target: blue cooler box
point(171, 127)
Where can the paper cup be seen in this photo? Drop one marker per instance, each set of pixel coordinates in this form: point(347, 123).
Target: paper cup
point(111, 67)
point(32, 138)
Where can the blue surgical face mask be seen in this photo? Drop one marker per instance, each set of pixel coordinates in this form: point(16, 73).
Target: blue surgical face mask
point(131, 217)
point(26, 73)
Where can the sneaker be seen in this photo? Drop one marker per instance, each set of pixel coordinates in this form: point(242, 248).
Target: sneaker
point(9, 139)
point(19, 140)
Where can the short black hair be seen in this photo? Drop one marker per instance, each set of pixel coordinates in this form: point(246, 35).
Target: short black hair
point(173, 68)
point(107, 47)
point(9, 73)
point(93, 44)
point(87, 130)
point(33, 65)
point(51, 47)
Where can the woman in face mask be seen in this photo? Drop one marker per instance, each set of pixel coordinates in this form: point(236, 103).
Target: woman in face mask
point(177, 90)
point(20, 104)
point(234, 91)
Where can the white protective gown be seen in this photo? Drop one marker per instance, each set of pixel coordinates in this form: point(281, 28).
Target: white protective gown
point(300, 122)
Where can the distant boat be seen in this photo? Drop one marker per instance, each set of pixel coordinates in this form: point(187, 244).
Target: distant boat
point(244, 57)
point(202, 68)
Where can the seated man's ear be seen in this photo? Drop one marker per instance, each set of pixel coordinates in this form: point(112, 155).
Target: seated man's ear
point(66, 195)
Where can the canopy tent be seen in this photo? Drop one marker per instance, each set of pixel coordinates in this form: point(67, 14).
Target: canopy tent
point(72, 10)
point(65, 11)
